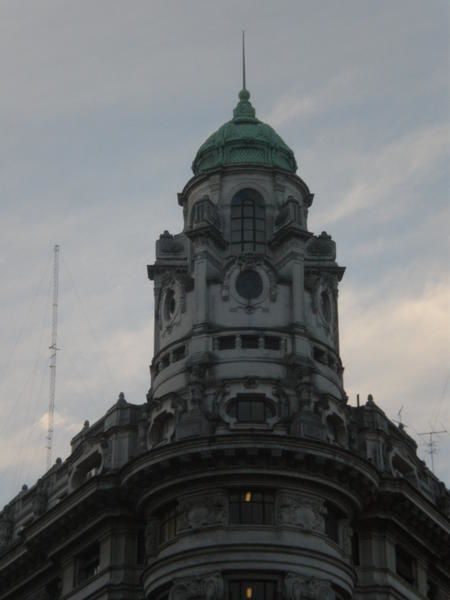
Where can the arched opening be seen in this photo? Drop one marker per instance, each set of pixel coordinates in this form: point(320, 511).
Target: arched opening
point(161, 429)
point(336, 430)
point(248, 221)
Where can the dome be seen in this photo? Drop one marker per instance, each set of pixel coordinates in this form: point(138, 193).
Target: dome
point(244, 140)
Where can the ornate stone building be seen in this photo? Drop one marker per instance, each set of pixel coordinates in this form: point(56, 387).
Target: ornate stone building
point(246, 474)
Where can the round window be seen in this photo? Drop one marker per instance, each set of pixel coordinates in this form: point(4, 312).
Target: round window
point(249, 284)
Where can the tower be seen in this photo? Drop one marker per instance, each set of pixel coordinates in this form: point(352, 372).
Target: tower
point(247, 387)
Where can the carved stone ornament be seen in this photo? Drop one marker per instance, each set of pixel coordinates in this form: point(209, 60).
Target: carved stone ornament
point(307, 588)
point(249, 263)
point(209, 587)
point(322, 246)
point(202, 511)
point(303, 512)
point(39, 500)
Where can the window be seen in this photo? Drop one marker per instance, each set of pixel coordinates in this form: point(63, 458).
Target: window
point(332, 522)
point(248, 221)
point(405, 565)
point(252, 507)
point(140, 546)
point(179, 353)
point(432, 591)
point(88, 563)
point(251, 408)
point(272, 342)
point(227, 342)
point(168, 524)
point(252, 589)
point(355, 549)
point(53, 589)
point(170, 304)
point(249, 341)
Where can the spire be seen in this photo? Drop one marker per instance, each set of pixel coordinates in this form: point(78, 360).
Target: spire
point(243, 60)
point(244, 110)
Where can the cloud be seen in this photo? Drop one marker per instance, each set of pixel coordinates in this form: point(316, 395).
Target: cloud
point(395, 343)
point(413, 160)
point(341, 90)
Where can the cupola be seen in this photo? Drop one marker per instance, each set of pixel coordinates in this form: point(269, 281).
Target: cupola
point(245, 140)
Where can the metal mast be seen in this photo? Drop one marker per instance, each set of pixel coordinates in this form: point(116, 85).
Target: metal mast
point(431, 444)
point(53, 350)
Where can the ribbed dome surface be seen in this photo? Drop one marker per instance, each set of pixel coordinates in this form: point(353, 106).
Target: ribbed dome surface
point(244, 140)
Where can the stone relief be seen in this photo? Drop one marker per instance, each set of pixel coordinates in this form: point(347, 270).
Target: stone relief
point(202, 511)
point(323, 288)
point(209, 587)
point(307, 588)
point(304, 512)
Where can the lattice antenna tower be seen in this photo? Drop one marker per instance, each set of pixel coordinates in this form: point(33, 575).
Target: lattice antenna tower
point(53, 350)
point(432, 444)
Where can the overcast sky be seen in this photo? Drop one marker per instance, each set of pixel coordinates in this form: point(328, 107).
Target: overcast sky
point(103, 105)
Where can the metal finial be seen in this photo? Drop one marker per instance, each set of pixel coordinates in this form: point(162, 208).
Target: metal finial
point(243, 60)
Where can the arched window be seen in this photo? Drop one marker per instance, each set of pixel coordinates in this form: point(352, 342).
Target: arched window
point(248, 221)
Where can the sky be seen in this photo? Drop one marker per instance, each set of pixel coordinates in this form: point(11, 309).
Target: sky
point(103, 106)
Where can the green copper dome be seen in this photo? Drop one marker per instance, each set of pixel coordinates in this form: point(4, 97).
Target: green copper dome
point(244, 140)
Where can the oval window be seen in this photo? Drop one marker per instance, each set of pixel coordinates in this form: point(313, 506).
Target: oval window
point(170, 304)
point(325, 306)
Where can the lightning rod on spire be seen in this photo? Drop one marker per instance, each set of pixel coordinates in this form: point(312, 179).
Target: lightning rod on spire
point(243, 61)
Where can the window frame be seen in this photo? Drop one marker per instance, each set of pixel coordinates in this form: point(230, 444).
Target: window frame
point(256, 511)
point(248, 221)
point(237, 407)
point(84, 562)
point(168, 526)
point(244, 580)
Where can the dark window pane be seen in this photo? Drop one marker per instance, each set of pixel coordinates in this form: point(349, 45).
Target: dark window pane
point(227, 342)
point(260, 225)
point(248, 224)
point(272, 343)
point(258, 411)
point(244, 410)
point(236, 225)
point(247, 247)
point(248, 211)
point(249, 341)
point(260, 236)
point(236, 236)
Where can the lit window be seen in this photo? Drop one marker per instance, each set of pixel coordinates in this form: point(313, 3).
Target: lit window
point(253, 590)
point(252, 507)
point(248, 221)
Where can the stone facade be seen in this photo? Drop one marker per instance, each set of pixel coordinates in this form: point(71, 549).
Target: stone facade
point(246, 474)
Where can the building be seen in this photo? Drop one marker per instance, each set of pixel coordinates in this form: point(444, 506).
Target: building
point(246, 474)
